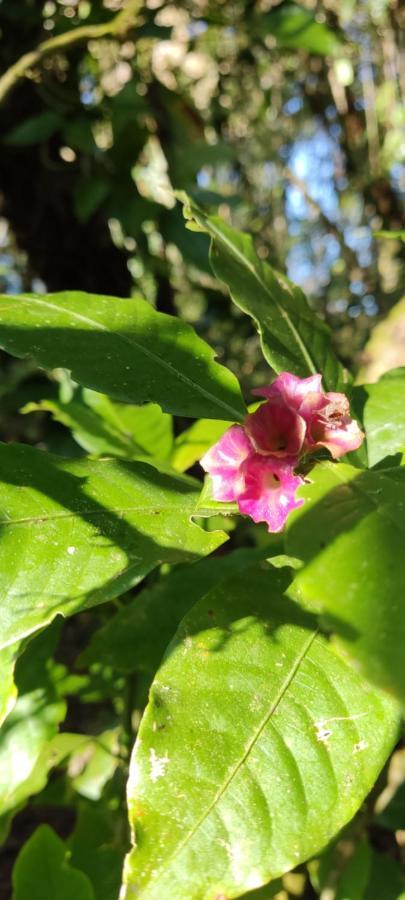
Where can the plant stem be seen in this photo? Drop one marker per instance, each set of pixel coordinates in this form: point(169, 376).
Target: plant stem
point(117, 26)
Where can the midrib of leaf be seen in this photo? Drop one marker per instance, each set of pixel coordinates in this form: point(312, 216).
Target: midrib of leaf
point(133, 343)
point(255, 737)
point(283, 313)
point(90, 513)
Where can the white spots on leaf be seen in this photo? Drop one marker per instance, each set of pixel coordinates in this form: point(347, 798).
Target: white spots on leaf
point(322, 734)
point(157, 765)
point(361, 745)
point(256, 703)
point(187, 644)
point(237, 853)
point(71, 550)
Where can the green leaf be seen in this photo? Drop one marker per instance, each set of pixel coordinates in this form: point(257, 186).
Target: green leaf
point(90, 193)
point(295, 27)
point(74, 533)
point(350, 534)
point(386, 879)
point(34, 130)
point(147, 426)
point(258, 744)
point(138, 634)
point(293, 338)
point(103, 427)
point(97, 849)
point(97, 761)
point(345, 875)
point(361, 874)
point(8, 692)
point(42, 871)
point(123, 348)
point(384, 415)
point(30, 726)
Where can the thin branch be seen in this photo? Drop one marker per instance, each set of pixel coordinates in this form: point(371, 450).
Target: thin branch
point(117, 26)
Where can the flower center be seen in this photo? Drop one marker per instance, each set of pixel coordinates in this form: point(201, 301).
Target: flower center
point(271, 481)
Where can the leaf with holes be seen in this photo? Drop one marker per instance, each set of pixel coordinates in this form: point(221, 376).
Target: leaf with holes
point(74, 533)
point(258, 744)
point(293, 338)
point(350, 535)
point(123, 348)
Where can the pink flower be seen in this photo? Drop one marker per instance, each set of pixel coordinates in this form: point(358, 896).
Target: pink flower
point(263, 486)
point(329, 424)
point(270, 486)
point(223, 462)
point(253, 464)
point(276, 429)
point(325, 417)
point(291, 389)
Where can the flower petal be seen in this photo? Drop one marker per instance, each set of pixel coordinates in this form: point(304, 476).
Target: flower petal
point(223, 462)
point(270, 486)
point(341, 440)
point(276, 429)
point(330, 425)
point(291, 388)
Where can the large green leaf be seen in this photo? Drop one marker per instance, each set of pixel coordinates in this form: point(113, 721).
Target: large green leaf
point(123, 348)
point(77, 532)
point(384, 415)
point(293, 338)
point(42, 871)
point(350, 534)
point(136, 637)
point(258, 744)
point(103, 427)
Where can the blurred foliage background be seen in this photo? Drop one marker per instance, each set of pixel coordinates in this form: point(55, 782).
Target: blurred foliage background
point(286, 119)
